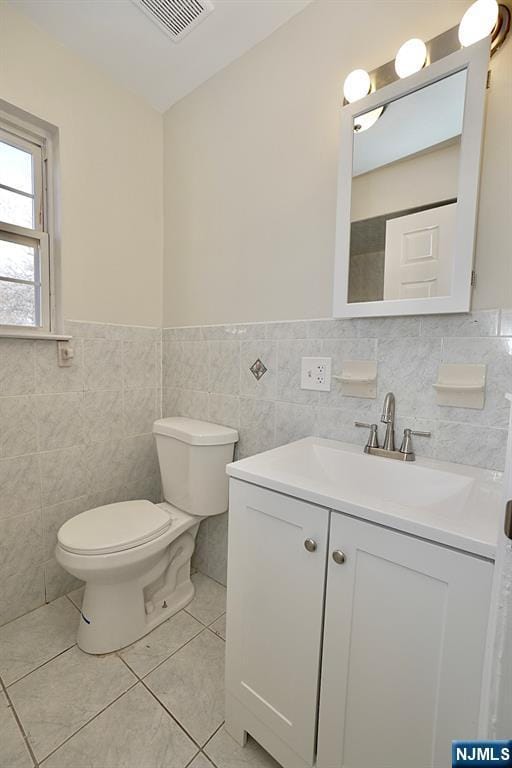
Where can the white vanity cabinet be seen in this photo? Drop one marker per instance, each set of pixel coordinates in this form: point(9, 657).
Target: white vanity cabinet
point(362, 647)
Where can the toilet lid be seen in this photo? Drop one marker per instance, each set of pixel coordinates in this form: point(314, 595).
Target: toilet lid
point(113, 528)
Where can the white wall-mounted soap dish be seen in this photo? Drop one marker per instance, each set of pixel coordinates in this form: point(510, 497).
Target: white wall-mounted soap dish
point(358, 378)
point(461, 385)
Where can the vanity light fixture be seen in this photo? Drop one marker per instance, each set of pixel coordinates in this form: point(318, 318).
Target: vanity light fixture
point(478, 22)
point(483, 18)
point(357, 85)
point(363, 122)
point(411, 57)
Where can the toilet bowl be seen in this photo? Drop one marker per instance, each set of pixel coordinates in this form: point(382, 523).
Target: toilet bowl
point(134, 556)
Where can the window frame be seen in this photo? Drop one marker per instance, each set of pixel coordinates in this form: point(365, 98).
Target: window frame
point(38, 138)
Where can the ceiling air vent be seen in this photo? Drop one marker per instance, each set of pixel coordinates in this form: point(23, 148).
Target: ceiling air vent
point(176, 17)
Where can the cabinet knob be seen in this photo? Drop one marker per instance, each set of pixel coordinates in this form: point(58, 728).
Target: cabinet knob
point(338, 556)
point(310, 545)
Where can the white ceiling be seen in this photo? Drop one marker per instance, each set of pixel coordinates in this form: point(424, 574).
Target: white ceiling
point(120, 39)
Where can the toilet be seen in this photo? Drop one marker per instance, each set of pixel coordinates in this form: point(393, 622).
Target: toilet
point(134, 556)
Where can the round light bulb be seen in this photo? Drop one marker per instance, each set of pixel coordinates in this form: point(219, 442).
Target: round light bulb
point(478, 22)
point(411, 57)
point(356, 85)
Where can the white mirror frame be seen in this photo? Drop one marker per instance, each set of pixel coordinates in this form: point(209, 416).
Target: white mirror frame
point(475, 60)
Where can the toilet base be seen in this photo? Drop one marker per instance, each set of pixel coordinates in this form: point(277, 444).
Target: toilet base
point(117, 614)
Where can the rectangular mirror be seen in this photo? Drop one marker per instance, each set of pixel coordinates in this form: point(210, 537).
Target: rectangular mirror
point(408, 191)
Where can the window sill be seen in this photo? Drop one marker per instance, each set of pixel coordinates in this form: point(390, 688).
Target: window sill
point(34, 335)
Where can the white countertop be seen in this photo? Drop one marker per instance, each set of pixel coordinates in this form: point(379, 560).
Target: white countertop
point(452, 504)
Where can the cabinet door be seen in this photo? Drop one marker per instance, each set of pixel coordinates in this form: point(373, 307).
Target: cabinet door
point(274, 611)
point(405, 626)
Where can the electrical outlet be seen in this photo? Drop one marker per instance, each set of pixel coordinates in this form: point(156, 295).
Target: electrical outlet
point(316, 373)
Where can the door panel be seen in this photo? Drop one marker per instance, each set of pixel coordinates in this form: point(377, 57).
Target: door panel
point(275, 606)
point(405, 627)
point(419, 254)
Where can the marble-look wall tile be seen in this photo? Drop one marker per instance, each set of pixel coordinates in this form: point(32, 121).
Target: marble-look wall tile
point(59, 420)
point(224, 367)
point(103, 360)
point(18, 426)
point(21, 592)
point(288, 330)
point(185, 402)
point(21, 545)
point(293, 422)
point(103, 417)
point(140, 368)
point(257, 426)
point(20, 486)
point(506, 322)
point(466, 444)
point(192, 366)
point(70, 440)
point(140, 409)
point(266, 387)
point(241, 332)
point(482, 323)
point(224, 409)
point(50, 377)
point(409, 368)
point(17, 367)
point(64, 474)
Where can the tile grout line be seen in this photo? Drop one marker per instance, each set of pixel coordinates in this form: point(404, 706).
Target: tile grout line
point(19, 724)
point(69, 738)
point(44, 663)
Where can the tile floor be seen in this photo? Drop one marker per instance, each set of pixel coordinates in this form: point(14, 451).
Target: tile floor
point(157, 704)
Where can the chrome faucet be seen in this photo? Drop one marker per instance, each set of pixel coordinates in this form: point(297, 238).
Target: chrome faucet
point(388, 450)
point(388, 418)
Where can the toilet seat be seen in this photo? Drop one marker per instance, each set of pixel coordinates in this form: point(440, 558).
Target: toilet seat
point(114, 528)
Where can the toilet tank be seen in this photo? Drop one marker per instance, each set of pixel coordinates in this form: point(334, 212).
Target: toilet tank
point(193, 456)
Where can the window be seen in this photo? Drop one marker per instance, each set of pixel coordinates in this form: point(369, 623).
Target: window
point(25, 290)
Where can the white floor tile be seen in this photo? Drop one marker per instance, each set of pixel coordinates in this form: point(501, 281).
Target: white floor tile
point(146, 654)
point(35, 638)
point(191, 685)
point(59, 698)
point(226, 753)
point(209, 601)
point(201, 762)
point(219, 627)
point(134, 732)
point(13, 750)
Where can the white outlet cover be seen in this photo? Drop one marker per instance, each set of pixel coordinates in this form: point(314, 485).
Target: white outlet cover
point(316, 373)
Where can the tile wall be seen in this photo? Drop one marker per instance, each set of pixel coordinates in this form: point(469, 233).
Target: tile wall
point(70, 439)
point(74, 438)
point(206, 375)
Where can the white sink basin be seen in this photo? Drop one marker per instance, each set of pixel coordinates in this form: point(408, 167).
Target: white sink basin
point(449, 503)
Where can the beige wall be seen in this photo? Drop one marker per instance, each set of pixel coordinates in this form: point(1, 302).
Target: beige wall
point(251, 160)
point(111, 171)
point(409, 183)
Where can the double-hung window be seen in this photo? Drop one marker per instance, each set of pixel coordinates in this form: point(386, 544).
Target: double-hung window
point(25, 275)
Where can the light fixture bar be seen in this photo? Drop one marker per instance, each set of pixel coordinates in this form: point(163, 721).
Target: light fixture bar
point(440, 46)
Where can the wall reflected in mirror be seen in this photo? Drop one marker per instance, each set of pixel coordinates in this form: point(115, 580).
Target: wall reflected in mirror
point(404, 194)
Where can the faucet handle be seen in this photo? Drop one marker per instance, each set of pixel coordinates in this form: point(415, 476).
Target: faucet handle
point(373, 437)
point(406, 446)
